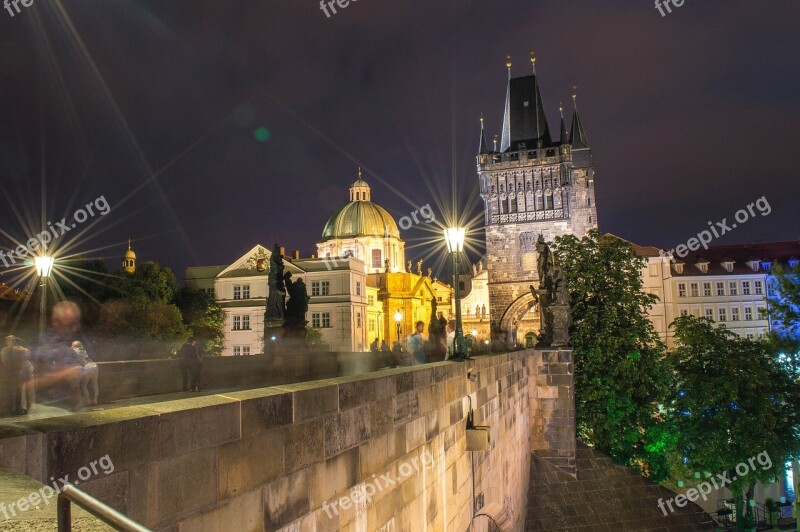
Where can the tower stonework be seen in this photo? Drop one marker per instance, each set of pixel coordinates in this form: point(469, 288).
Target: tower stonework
point(531, 185)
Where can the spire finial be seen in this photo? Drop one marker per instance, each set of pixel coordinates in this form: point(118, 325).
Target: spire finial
point(574, 94)
point(533, 61)
point(495, 143)
point(481, 120)
point(360, 174)
point(508, 62)
point(129, 244)
point(561, 109)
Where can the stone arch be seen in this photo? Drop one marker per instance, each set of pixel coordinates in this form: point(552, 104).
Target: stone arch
point(516, 311)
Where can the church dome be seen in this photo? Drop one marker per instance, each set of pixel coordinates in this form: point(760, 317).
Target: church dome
point(360, 217)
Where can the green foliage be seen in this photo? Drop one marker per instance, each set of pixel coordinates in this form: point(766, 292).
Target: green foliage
point(732, 401)
point(204, 318)
point(621, 376)
point(154, 327)
point(315, 340)
point(784, 308)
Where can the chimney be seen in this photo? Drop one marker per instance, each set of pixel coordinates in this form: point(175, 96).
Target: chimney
point(282, 251)
point(296, 254)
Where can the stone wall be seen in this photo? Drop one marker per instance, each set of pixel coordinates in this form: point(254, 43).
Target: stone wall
point(604, 496)
point(304, 456)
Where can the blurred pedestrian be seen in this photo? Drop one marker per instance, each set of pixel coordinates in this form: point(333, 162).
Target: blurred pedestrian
point(191, 365)
point(90, 374)
point(59, 369)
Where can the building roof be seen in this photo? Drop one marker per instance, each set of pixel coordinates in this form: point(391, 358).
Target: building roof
point(360, 218)
point(525, 120)
point(577, 136)
point(742, 255)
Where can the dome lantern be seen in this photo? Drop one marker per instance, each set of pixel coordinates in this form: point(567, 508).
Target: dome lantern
point(360, 191)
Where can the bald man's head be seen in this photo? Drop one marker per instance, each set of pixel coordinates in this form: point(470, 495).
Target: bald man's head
point(66, 318)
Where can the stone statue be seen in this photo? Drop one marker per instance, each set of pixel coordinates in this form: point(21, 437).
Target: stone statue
point(386, 265)
point(274, 316)
point(408, 267)
point(552, 297)
point(419, 267)
point(430, 273)
point(297, 307)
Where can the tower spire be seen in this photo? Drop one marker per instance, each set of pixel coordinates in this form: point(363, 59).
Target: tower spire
point(505, 141)
point(564, 138)
point(533, 62)
point(482, 148)
point(577, 136)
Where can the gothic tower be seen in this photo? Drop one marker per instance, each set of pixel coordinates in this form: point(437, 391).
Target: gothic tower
point(531, 185)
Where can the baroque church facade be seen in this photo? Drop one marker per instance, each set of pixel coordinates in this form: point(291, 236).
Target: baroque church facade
point(531, 184)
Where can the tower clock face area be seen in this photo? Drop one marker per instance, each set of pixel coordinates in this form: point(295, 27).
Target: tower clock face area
point(531, 185)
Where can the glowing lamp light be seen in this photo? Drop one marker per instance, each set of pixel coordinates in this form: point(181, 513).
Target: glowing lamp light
point(454, 237)
point(475, 333)
point(44, 265)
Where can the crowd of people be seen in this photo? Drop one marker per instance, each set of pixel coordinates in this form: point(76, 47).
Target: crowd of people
point(416, 348)
point(58, 368)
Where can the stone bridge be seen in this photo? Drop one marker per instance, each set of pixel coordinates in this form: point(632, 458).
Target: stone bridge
point(377, 451)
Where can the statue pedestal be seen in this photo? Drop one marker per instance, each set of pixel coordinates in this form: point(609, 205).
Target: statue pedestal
point(561, 322)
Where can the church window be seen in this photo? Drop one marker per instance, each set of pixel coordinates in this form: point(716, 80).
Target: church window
point(502, 207)
point(314, 288)
point(376, 258)
point(358, 195)
point(549, 201)
point(502, 189)
point(358, 320)
point(325, 288)
point(529, 185)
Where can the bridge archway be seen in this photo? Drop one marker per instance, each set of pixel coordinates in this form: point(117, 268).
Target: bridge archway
point(521, 319)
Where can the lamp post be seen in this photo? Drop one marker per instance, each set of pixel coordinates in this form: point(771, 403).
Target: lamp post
point(398, 317)
point(44, 267)
point(454, 237)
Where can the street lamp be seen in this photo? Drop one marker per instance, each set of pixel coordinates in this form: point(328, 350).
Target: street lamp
point(44, 267)
point(398, 317)
point(454, 237)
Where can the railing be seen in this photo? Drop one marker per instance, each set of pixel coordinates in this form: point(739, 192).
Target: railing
point(70, 494)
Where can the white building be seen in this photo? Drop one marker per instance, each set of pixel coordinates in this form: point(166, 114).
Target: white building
point(728, 284)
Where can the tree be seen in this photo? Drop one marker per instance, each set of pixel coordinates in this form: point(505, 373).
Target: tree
point(784, 308)
point(732, 401)
point(621, 376)
point(204, 318)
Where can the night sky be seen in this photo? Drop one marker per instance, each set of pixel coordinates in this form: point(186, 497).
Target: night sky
point(254, 115)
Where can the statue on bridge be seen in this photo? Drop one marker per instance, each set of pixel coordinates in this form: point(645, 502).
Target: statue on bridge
point(276, 301)
point(552, 297)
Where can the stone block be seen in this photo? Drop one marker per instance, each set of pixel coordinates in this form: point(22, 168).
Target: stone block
point(184, 425)
point(187, 484)
point(312, 399)
point(249, 463)
point(286, 499)
point(305, 445)
point(346, 430)
point(263, 409)
point(241, 514)
point(333, 477)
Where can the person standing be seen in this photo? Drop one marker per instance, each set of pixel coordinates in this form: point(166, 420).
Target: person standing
point(416, 344)
point(373, 347)
point(451, 339)
point(18, 370)
point(191, 365)
point(90, 374)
